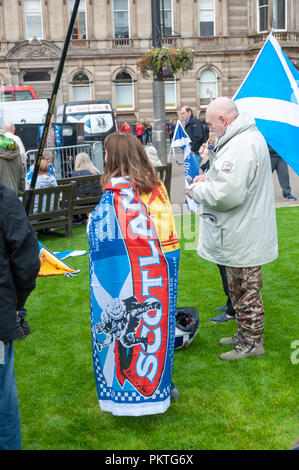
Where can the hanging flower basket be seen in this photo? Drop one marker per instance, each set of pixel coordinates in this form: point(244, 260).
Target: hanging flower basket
point(166, 61)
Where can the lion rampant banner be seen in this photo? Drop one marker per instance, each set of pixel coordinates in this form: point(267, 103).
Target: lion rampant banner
point(134, 257)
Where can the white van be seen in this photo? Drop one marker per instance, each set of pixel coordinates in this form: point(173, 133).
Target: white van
point(23, 112)
point(97, 116)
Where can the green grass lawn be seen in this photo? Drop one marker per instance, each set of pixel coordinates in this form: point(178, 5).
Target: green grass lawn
point(245, 404)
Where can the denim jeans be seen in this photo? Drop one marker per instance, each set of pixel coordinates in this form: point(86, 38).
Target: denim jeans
point(10, 422)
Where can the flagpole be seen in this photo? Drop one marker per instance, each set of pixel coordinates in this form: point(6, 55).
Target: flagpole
point(159, 138)
point(171, 146)
point(51, 106)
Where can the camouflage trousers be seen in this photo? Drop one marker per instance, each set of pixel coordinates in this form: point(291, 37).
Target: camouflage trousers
point(244, 286)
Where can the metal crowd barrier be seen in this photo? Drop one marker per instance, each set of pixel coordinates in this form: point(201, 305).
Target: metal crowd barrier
point(64, 157)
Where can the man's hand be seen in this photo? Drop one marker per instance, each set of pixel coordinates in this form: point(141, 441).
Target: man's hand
point(199, 179)
point(204, 153)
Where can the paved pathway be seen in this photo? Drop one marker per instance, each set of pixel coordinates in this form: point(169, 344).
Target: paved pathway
point(178, 189)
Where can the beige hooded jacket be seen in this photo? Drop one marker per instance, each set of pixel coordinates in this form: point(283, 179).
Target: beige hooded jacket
point(12, 173)
point(238, 222)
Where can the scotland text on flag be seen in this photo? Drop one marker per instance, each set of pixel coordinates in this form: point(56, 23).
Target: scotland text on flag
point(270, 93)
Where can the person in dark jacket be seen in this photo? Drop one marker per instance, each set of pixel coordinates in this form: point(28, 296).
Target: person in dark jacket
point(20, 264)
point(282, 170)
point(195, 131)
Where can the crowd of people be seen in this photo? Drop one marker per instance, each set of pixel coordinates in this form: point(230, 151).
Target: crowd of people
point(143, 130)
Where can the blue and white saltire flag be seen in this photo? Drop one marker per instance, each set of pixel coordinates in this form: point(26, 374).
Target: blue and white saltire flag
point(69, 253)
point(270, 93)
point(85, 118)
point(182, 140)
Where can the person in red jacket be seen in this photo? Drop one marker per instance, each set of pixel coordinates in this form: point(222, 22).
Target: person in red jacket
point(125, 127)
point(139, 131)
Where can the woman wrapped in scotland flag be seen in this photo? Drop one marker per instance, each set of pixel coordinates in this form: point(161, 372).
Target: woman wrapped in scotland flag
point(134, 259)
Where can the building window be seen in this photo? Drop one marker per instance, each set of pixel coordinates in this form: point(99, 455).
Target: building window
point(121, 18)
point(33, 19)
point(206, 17)
point(208, 85)
point(79, 29)
point(170, 92)
point(278, 18)
point(166, 17)
point(37, 76)
point(81, 87)
point(263, 15)
point(279, 14)
point(124, 91)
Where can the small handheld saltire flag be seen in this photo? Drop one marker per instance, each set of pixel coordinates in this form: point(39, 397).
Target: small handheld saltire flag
point(69, 253)
point(182, 140)
point(270, 93)
point(52, 265)
point(133, 291)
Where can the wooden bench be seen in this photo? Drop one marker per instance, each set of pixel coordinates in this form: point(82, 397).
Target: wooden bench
point(88, 192)
point(54, 209)
point(164, 173)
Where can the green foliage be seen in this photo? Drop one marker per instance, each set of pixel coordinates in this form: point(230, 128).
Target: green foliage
point(244, 404)
point(166, 61)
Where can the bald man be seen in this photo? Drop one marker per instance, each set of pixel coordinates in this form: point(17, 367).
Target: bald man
point(238, 223)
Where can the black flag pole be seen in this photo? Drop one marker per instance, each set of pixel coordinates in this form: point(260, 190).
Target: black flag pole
point(51, 106)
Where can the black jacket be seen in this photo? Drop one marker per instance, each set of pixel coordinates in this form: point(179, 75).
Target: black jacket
point(195, 131)
point(19, 261)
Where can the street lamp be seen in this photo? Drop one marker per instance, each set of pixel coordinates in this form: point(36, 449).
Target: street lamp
point(159, 128)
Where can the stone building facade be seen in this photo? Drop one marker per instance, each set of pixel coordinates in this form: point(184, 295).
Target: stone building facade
point(110, 36)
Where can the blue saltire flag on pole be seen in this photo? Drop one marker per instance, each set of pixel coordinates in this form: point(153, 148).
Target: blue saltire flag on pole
point(182, 140)
point(270, 93)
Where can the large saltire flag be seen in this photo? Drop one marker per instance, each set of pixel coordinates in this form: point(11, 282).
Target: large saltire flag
point(51, 264)
point(270, 93)
point(133, 290)
point(182, 140)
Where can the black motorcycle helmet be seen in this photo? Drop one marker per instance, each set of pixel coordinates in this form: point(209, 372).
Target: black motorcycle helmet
point(187, 323)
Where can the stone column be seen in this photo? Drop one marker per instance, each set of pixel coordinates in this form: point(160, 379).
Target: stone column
point(223, 7)
point(45, 16)
point(109, 19)
point(21, 15)
point(2, 32)
point(132, 19)
point(89, 19)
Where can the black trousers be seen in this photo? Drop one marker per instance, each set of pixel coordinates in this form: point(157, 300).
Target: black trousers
point(281, 167)
point(229, 307)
